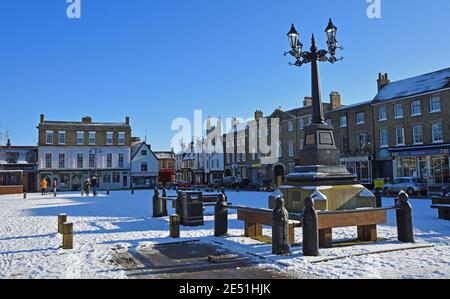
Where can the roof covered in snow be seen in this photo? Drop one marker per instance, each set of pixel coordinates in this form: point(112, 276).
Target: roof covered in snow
point(414, 86)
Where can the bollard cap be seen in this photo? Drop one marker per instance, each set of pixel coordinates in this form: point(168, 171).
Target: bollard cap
point(279, 202)
point(403, 196)
point(309, 203)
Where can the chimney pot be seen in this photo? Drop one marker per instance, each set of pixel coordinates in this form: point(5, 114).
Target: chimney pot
point(87, 120)
point(127, 120)
point(383, 80)
point(335, 100)
point(42, 119)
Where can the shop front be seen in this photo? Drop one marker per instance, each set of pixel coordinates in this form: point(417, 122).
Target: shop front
point(361, 167)
point(430, 164)
point(144, 180)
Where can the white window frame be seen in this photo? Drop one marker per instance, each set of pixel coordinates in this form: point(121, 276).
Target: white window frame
point(80, 133)
point(415, 135)
point(48, 161)
point(397, 136)
point(63, 160)
point(384, 118)
point(47, 135)
point(95, 137)
point(358, 120)
point(342, 123)
point(384, 139)
point(412, 108)
point(109, 136)
point(290, 126)
point(291, 148)
point(431, 104)
point(433, 135)
point(121, 138)
point(396, 114)
point(62, 133)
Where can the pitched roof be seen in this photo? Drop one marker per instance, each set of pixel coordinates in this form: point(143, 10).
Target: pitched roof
point(414, 86)
point(135, 147)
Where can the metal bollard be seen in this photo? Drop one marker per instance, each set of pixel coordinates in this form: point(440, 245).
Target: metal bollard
point(164, 203)
point(379, 198)
point(54, 193)
point(107, 191)
point(280, 228)
point(221, 217)
point(175, 226)
point(179, 206)
point(132, 191)
point(62, 218)
point(157, 205)
point(24, 195)
point(67, 236)
point(82, 192)
point(310, 229)
point(404, 215)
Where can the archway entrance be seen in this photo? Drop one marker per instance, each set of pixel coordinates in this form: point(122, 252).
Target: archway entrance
point(279, 175)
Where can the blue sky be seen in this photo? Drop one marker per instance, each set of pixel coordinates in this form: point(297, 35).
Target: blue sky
point(156, 60)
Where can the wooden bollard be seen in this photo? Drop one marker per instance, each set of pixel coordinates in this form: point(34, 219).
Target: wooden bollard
point(175, 226)
point(67, 236)
point(62, 218)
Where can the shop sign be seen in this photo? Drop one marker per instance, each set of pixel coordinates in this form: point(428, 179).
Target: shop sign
point(421, 153)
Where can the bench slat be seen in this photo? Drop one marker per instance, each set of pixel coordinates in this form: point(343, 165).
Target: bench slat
point(361, 218)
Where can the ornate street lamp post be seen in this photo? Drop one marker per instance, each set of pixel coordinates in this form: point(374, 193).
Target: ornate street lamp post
point(319, 158)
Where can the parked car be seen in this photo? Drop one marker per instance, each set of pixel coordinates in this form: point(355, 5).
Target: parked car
point(218, 183)
point(184, 184)
point(410, 185)
point(267, 185)
point(229, 181)
point(242, 183)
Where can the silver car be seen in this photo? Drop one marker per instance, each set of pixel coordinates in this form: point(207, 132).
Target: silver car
point(410, 185)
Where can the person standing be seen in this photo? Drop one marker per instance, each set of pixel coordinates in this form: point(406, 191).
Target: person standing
point(43, 186)
point(87, 186)
point(55, 185)
point(94, 183)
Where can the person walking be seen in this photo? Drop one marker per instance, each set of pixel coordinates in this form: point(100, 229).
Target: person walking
point(94, 184)
point(43, 186)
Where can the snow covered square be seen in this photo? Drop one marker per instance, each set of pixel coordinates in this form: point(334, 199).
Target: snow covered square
point(105, 226)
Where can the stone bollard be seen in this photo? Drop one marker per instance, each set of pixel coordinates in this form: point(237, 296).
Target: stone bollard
point(175, 226)
point(157, 205)
point(67, 236)
point(221, 216)
point(404, 215)
point(62, 218)
point(310, 229)
point(379, 198)
point(164, 203)
point(24, 195)
point(280, 228)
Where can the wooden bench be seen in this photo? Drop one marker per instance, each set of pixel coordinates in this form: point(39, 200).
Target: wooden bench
point(442, 204)
point(365, 220)
point(254, 219)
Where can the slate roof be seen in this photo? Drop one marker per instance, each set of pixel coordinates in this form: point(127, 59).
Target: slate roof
point(414, 86)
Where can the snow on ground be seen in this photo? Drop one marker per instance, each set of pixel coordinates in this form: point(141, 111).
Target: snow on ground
point(29, 245)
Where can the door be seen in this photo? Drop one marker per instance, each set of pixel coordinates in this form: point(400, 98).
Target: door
point(125, 181)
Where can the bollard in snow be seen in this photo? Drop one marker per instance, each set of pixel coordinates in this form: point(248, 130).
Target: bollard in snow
point(379, 197)
point(310, 229)
point(157, 205)
point(179, 205)
point(404, 215)
point(175, 226)
point(221, 216)
point(107, 191)
point(54, 192)
point(444, 192)
point(280, 228)
point(62, 218)
point(67, 229)
point(164, 203)
point(24, 195)
point(132, 191)
point(222, 190)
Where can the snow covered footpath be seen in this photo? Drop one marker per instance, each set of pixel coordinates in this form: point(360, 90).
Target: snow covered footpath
point(29, 245)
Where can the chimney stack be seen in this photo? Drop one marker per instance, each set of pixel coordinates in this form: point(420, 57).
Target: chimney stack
point(8, 145)
point(259, 114)
point(86, 120)
point(335, 100)
point(127, 120)
point(382, 81)
point(307, 102)
point(42, 119)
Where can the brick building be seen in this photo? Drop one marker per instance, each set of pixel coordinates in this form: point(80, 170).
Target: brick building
point(73, 151)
